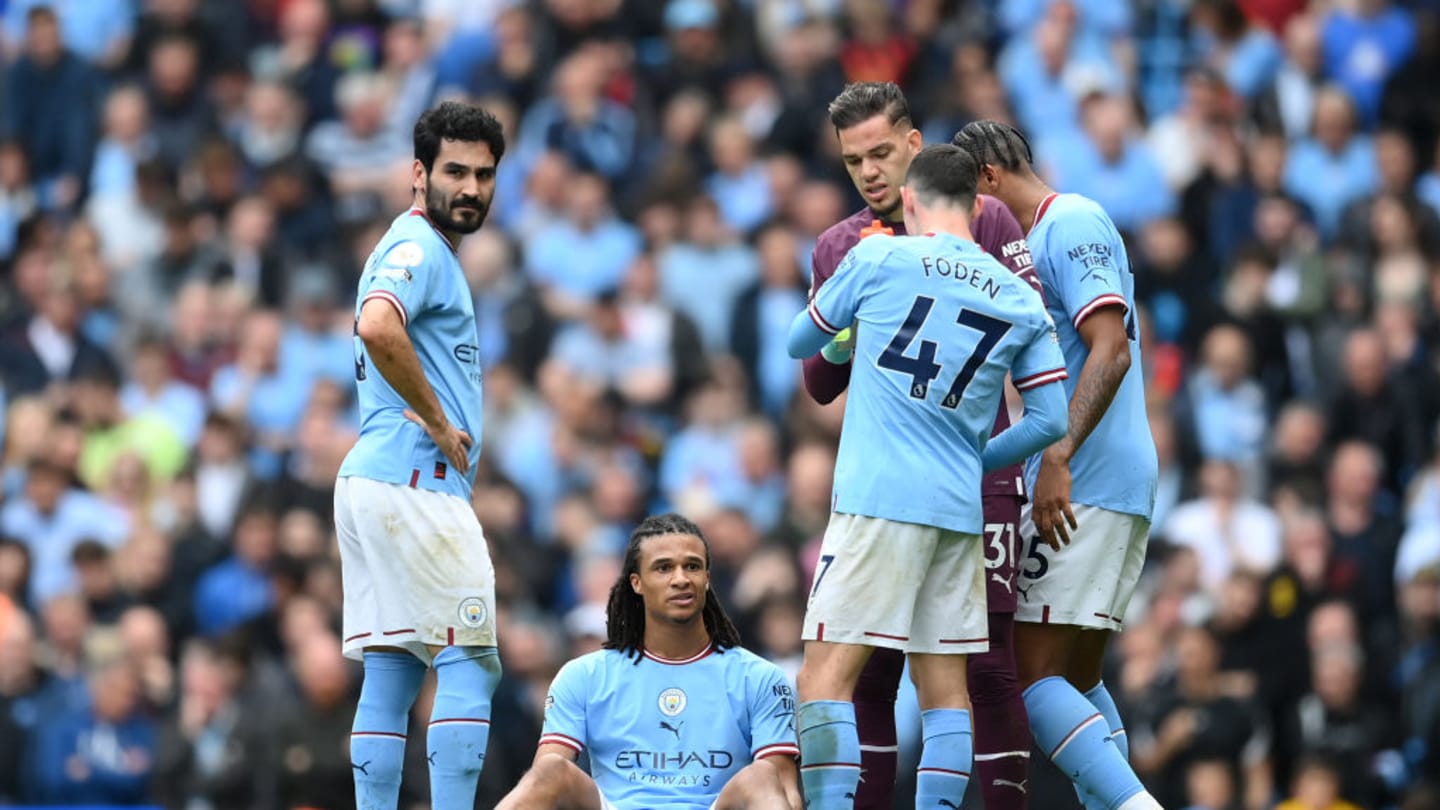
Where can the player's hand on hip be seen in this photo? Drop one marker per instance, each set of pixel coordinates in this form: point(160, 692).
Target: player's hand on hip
point(452, 441)
point(1051, 512)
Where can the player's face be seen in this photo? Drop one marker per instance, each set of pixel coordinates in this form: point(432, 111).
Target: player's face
point(673, 580)
point(459, 187)
point(877, 155)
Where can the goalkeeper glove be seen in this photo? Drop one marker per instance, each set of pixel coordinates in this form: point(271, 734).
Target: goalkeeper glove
point(839, 350)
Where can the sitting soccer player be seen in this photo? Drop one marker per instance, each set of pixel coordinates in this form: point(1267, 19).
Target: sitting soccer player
point(673, 713)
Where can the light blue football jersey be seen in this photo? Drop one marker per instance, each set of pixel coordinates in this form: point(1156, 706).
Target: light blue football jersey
point(670, 734)
point(1083, 266)
point(941, 322)
point(415, 269)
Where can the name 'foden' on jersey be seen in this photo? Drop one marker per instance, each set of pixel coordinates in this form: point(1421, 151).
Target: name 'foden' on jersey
point(977, 277)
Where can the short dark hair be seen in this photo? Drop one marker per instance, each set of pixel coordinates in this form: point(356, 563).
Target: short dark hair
point(455, 121)
point(996, 144)
point(41, 13)
point(943, 173)
point(861, 101)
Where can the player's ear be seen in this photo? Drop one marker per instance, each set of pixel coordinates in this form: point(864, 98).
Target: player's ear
point(916, 141)
point(417, 175)
point(635, 583)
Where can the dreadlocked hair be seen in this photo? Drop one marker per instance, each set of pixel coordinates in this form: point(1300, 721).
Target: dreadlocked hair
point(996, 144)
point(625, 612)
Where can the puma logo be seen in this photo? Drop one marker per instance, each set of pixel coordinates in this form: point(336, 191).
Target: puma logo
point(363, 768)
point(947, 803)
point(675, 729)
point(851, 797)
point(1020, 786)
point(1003, 581)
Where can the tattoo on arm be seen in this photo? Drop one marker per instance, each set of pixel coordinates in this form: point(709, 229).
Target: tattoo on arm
point(1099, 380)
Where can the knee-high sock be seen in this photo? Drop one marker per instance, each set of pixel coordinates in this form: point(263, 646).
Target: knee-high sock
point(945, 761)
point(1100, 698)
point(1002, 729)
point(465, 678)
point(875, 722)
point(829, 753)
point(377, 737)
point(1074, 735)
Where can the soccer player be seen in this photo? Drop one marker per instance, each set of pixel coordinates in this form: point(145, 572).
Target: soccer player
point(673, 712)
point(419, 586)
point(940, 324)
point(877, 141)
point(1074, 596)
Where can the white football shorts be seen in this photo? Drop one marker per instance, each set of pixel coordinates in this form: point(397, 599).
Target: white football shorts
point(1089, 582)
point(415, 567)
point(903, 586)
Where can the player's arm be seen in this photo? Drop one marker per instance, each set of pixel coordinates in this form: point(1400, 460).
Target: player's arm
point(832, 306)
point(1103, 332)
point(546, 749)
point(1044, 422)
point(825, 377)
point(788, 771)
point(772, 733)
point(382, 327)
point(1037, 371)
point(565, 729)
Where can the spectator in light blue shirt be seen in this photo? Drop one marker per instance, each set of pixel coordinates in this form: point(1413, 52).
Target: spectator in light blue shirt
point(704, 275)
point(593, 132)
point(97, 31)
point(740, 184)
point(1101, 18)
point(1045, 72)
point(51, 520)
point(576, 257)
point(1364, 46)
point(1245, 53)
point(1227, 406)
point(1111, 167)
point(153, 390)
point(1335, 166)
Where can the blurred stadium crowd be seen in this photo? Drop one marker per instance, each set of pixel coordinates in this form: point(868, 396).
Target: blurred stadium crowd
point(188, 188)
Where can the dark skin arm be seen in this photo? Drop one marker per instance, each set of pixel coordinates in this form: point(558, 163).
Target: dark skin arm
point(1109, 361)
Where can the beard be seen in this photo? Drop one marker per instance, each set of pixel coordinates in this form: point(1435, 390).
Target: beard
point(449, 215)
point(888, 211)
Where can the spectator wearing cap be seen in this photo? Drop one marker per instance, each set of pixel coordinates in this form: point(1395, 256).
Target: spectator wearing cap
point(695, 54)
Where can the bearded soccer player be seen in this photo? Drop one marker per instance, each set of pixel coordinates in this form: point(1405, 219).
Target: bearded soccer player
point(1094, 490)
point(877, 142)
point(672, 712)
point(419, 585)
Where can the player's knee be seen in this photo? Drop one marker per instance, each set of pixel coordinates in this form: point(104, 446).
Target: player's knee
point(470, 668)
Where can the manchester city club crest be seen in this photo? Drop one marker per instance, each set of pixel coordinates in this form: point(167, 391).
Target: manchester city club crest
point(672, 702)
point(472, 612)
